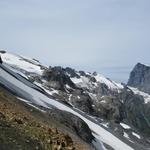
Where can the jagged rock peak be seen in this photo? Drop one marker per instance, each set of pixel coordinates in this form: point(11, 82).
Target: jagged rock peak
point(140, 77)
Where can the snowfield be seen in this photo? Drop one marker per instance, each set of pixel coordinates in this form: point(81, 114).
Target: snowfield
point(111, 84)
point(25, 90)
point(85, 82)
point(23, 63)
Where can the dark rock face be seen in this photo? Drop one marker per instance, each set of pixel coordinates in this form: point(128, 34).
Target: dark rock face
point(110, 108)
point(74, 123)
point(57, 78)
point(71, 72)
point(84, 103)
point(136, 112)
point(2, 115)
point(104, 90)
point(1, 60)
point(140, 78)
point(2, 51)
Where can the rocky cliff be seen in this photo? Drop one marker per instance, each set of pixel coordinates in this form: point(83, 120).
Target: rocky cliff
point(140, 77)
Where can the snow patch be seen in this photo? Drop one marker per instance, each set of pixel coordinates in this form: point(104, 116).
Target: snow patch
point(51, 92)
point(76, 80)
point(138, 92)
point(111, 84)
point(126, 135)
point(125, 126)
point(70, 97)
point(36, 107)
point(105, 124)
point(78, 97)
point(67, 86)
point(103, 101)
point(135, 134)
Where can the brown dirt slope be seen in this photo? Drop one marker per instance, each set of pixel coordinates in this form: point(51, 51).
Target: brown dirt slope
point(24, 128)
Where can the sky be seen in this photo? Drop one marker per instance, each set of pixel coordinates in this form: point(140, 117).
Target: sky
point(107, 36)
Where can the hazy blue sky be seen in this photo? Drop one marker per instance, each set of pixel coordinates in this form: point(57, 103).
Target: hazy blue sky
point(109, 36)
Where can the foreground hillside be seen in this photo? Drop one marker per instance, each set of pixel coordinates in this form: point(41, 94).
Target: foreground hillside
point(24, 127)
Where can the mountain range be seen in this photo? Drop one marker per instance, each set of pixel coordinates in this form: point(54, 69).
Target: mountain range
point(60, 108)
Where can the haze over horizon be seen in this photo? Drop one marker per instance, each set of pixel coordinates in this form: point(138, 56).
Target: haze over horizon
point(107, 36)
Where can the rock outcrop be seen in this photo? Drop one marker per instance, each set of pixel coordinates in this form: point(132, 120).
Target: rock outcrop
point(57, 78)
point(1, 60)
point(140, 78)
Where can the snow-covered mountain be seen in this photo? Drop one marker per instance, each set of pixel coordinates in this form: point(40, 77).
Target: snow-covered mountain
point(117, 115)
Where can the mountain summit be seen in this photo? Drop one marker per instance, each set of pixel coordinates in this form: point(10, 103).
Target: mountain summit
point(140, 77)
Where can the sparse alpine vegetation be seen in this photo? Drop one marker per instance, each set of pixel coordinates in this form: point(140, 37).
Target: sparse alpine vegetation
point(23, 127)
